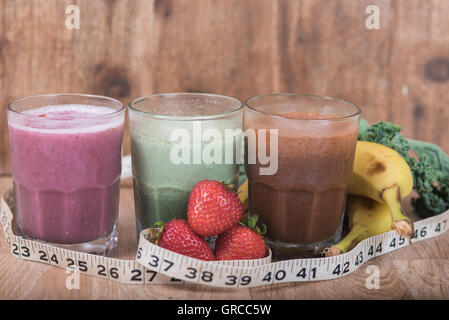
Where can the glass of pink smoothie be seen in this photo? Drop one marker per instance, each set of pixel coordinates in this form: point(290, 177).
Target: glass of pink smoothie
point(66, 162)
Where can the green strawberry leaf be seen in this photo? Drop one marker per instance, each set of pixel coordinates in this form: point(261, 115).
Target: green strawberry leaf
point(158, 224)
point(228, 186)
point(264, 229)
point(251, 222)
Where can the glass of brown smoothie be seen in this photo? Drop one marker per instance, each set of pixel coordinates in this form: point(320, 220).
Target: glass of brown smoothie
point(303, 201)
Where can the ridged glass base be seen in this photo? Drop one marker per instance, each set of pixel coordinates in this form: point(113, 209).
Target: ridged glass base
point(101, 246)
point(283, 251)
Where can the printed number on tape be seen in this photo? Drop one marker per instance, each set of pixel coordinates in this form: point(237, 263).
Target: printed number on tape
point(156, 265)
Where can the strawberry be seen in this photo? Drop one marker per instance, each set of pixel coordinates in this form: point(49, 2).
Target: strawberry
point(177, 236)
point(241, 242)
point(213, 208)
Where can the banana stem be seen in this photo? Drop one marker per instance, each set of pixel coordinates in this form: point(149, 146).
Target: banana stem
point(399, 221)
point(357, 234)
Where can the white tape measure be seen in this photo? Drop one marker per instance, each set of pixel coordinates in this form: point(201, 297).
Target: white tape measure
point(156, 265)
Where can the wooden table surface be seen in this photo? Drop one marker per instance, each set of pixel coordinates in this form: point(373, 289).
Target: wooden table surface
point(420, 271)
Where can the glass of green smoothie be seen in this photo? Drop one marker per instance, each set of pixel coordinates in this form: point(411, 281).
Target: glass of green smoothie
point(177, 140)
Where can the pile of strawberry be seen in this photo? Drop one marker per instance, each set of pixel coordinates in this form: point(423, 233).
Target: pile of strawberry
point(214, 210)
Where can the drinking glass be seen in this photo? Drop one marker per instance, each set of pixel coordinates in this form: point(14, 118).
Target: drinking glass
point(302, 201)
point(177, 140)
point(66, 162)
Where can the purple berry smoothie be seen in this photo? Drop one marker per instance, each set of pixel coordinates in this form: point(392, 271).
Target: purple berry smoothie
point(66, 171)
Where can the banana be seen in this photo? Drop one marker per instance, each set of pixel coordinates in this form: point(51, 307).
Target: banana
point(242, 192)
point(381, 174)
point(367, 218)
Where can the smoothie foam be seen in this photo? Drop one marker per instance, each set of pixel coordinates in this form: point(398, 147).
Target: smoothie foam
point(68, 118)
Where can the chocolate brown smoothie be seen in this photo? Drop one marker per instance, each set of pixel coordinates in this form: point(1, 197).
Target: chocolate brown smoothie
point(304, 201)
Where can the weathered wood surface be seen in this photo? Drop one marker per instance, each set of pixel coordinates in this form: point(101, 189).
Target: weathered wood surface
point(130, 48)
point(414, 272)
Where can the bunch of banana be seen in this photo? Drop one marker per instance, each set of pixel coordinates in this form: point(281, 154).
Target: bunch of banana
point(366, 218)
point(381, 174)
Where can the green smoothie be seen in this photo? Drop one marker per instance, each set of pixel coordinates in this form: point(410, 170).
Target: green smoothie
point(170, 154)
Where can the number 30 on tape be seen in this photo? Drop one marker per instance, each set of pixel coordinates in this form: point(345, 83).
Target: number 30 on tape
point(156, 265)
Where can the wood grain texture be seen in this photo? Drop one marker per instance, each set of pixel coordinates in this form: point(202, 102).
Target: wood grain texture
point(414, 272)
point(130, 48)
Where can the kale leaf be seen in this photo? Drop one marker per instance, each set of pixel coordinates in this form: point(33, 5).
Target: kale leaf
point(430, 172)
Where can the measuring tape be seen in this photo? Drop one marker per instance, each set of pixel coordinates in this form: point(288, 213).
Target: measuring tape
point(156, 265)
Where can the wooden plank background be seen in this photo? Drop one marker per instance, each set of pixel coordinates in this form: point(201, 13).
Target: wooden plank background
point(130, 48)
